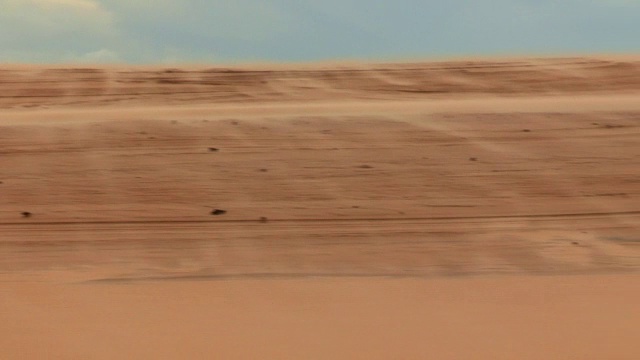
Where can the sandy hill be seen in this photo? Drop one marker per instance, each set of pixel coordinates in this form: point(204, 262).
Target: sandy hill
point(57, 86)
point(328, 211)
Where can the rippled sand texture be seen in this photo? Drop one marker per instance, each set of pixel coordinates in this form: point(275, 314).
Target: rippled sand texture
point(363, 211)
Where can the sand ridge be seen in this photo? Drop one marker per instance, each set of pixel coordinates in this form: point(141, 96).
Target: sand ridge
point(56, 86)
point(468, 209)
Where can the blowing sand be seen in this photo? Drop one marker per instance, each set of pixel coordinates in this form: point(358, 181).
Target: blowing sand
point(451, 210)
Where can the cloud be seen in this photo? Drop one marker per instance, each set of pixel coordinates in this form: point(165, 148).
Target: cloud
point(78, 4)
point(221, 30)
point(53, 29)
point(54, 15)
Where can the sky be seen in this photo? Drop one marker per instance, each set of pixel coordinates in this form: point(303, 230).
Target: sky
point(229, 31)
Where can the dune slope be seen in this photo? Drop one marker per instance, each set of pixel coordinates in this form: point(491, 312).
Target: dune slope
point(278, 212)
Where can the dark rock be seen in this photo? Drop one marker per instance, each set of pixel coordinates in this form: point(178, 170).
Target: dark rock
point(26, 214)
point(218, 212)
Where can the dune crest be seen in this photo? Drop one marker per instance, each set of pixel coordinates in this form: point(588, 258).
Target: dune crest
point(57, 86)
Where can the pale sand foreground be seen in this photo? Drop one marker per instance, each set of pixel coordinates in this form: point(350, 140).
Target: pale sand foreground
point(564, 317)
point(476, 210)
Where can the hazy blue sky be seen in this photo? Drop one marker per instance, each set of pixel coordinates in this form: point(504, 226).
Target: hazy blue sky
point(168, 31)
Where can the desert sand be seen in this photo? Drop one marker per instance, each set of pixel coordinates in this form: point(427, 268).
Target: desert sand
point(480, 209)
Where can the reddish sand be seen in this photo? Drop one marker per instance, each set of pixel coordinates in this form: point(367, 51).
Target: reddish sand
point(452, 210)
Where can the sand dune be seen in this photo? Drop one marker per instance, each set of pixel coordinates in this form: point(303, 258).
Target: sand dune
point(469, 209)
point(58, 86)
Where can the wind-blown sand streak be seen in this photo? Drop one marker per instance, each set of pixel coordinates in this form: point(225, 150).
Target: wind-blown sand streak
point(469, 209)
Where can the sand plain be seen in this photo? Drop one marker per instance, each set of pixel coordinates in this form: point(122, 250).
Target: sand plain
point(482, 209)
